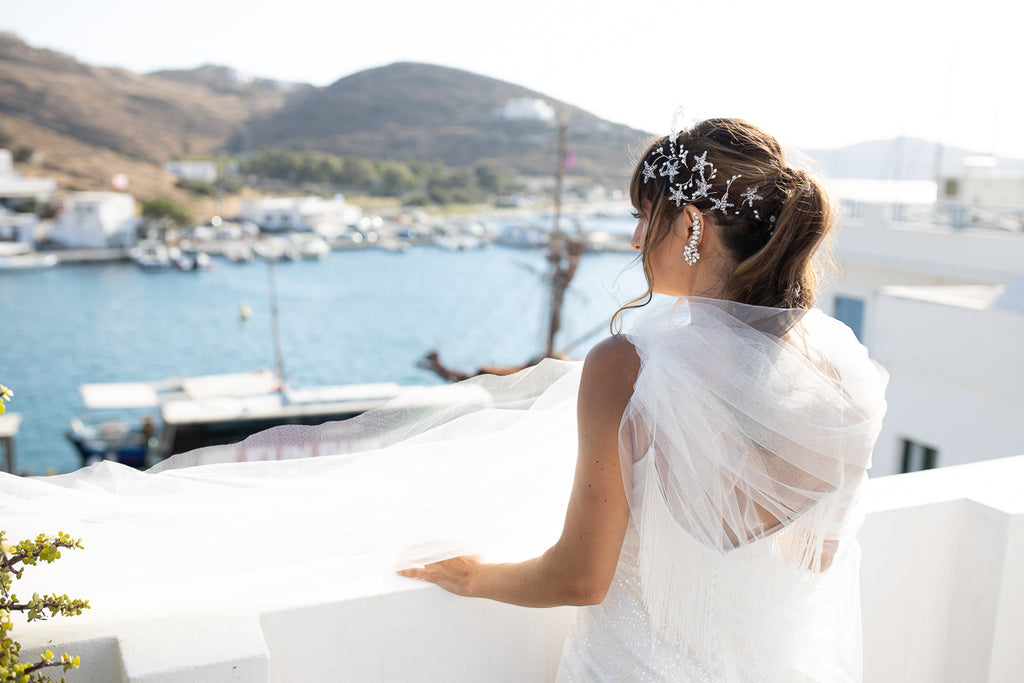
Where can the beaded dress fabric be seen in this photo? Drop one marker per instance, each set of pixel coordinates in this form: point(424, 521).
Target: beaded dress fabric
point(745, 446)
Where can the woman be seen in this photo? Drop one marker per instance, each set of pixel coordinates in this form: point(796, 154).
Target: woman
point(711, 526)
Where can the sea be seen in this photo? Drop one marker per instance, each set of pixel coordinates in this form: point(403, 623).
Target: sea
point(358, 316)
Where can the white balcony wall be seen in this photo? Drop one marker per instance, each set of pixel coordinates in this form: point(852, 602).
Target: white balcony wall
point(942, 590)
point(942, 579)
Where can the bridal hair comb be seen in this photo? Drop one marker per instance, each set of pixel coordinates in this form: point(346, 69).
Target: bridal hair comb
point(690, 175)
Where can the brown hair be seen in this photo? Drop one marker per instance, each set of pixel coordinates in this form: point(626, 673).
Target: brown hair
point(774, 257)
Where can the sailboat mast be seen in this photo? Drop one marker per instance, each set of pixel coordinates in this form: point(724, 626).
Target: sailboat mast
point(272, 293)
point(557, 251)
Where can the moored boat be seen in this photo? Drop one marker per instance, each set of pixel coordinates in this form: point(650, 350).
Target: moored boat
point(147, 422)
point(18, 256)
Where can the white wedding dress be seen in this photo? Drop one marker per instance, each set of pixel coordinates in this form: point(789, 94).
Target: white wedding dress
point(746, 442)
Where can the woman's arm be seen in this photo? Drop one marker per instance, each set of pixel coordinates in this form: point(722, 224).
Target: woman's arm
point(578, 569)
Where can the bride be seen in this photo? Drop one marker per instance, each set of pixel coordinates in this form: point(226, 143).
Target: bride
point(711, 527)
point(722, 443)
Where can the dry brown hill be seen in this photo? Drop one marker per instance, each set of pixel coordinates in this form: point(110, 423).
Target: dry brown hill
point(89, 122)
point(150, 118)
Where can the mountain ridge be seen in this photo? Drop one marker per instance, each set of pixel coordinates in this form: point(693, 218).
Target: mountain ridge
point(88, 122)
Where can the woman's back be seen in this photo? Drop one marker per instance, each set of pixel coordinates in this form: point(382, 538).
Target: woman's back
point(745, 444)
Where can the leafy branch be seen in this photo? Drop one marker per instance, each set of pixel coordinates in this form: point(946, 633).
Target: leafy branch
point(13, 560)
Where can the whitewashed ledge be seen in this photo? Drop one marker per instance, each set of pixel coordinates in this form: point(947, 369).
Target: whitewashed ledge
point(942, 577)
point(942, 588)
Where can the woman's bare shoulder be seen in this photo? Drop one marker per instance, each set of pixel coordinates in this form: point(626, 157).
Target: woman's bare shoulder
point(612, 365)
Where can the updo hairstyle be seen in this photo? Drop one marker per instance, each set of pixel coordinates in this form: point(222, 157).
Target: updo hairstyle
point(772, 239)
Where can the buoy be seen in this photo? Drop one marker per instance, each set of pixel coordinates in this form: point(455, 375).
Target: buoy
point(244, 310)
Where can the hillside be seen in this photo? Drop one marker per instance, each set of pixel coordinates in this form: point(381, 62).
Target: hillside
point(86, 123)
point(148, 118)
point(409, 111)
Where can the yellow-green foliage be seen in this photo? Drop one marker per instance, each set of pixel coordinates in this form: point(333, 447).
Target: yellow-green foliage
point(14, 557)
point(5, 395)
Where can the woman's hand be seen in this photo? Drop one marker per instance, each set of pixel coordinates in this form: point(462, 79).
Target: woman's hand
point(454, 574)
point(579, 568)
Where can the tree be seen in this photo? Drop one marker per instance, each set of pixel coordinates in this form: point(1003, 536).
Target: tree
point(357, 173)
point(395, 179)
point(491, 177)
point(164, 208)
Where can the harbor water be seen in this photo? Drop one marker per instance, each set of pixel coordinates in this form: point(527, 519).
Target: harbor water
point(358, 316)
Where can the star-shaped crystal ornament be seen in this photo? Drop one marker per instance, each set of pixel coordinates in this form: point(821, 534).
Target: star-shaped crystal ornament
point(699, 163)
point(749, 196)
point(671, 169)
point(677, 195)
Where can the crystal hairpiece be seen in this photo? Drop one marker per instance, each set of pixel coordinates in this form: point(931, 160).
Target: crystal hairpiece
point(695, 179)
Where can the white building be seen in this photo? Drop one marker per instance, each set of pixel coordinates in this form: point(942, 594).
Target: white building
point(931, 303)
point(96, 220)
point(527, 109)
point(984, 184)
point(18, 227)
point(14, 186)
point(327, 217)
point(193, 170)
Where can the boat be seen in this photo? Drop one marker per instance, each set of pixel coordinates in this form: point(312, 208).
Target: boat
point(19, 256)
point(277, 249)
point(141, 423)
point(238, 252)
point(152, 255)
point(313, 247)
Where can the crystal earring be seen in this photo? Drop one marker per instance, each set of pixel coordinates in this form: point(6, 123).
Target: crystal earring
point(690, 253)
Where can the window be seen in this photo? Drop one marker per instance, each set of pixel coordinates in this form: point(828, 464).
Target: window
point(851, 312)
point(917, 456)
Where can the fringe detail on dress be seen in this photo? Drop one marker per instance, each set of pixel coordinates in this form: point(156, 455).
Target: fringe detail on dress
point(684, 612)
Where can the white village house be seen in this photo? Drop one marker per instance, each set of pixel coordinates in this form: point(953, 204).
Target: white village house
point(96, 220)
point(941, 308)
point(14, 188)
point(207, 171)
point(326, 217)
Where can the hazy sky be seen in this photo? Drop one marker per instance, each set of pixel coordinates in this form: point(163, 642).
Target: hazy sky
point(815, 74)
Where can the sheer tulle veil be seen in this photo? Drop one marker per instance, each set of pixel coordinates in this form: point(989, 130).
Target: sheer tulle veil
point(747, 440)
point(745, 447)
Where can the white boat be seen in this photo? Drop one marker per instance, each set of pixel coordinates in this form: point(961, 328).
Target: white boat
point(276, 249)
point(151, 255)
point(141, 423)
point(19, 256)
point(238, 252)
point(314, 248)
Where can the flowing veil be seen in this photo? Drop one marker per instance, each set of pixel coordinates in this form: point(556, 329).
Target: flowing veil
point(252, 526)
point(745, 447)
